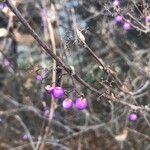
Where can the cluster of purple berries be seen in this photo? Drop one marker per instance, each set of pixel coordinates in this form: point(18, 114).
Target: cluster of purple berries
point(126, 24)
point(58, 93)
point(80, 103)
point(119, 19)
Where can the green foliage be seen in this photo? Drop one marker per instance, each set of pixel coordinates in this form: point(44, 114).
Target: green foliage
point(89, 78)
point(2, 1)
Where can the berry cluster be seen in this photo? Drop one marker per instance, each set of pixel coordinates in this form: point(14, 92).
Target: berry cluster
point(119, 19)
point(59, 93)
point(126, 24)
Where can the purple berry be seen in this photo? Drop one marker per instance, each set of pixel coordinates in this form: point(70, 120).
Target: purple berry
point(81, 103)
point(39, 77)
point(25, 137)
point(58, 92)
point(67, 104)
point(116, 3)
point(118, 19)
point(126, 26)
point(147, 19)
point(132, 117)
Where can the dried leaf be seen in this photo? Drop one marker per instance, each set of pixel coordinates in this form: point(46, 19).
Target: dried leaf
point(123, 136)
point(80, 35)
point(3, 32)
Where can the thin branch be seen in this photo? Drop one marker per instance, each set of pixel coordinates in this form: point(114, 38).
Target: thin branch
point(62, 64)
point(140, 134)
point(53, 103)
point(26, 130)
point(47, 49)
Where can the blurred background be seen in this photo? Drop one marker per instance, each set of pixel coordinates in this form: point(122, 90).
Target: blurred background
point(69, 27)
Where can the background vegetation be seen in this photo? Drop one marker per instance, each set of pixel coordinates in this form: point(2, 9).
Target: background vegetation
point(106, 64)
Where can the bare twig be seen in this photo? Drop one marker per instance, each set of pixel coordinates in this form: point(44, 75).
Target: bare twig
point(26, 130)
point(62, 64)
point(47, 49)
point(52, 108)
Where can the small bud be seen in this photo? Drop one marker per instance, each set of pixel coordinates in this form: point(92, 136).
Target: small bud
point(48, 88)
point(46, 113)
point(80, 35)
point(25, 137)
point(39, 77)
point(6, 63)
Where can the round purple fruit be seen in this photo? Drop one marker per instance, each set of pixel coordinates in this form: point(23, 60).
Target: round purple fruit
point(118, 19)
point(67, 104)
point(126, 26)
point(58, 92)
point(133, 117)
point(81, 103)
